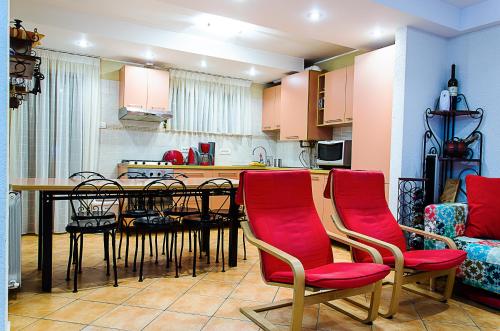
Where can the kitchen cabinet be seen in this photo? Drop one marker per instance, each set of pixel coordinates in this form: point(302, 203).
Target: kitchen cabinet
point(337, 94)
point(144, 88)
point(372, 111)
point(323, 206)
point(298, 113)
point(271, 105)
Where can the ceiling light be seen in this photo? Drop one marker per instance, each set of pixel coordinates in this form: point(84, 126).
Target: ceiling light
point(377, 32)
point(149, 55)
point(252, 71)
point(203, 63)
point(83, 43)
point(314, 15)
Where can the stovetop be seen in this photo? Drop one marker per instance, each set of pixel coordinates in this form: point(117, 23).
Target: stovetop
point(145, 162)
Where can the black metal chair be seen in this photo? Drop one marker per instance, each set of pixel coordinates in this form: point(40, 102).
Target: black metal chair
point(84, 175)
point(91, 208)
point(160, 197)
point(198, 224)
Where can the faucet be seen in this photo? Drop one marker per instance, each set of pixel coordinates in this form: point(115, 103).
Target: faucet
point(261, 160)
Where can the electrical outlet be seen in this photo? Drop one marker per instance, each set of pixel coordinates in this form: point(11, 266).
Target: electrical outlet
point(225, 151)
point(103, 125)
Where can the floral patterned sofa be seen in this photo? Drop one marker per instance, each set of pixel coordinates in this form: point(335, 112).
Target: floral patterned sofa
point(481, 269)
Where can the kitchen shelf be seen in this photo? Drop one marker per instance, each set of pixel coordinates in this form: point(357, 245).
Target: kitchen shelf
point(459, 159)
point(454, 112)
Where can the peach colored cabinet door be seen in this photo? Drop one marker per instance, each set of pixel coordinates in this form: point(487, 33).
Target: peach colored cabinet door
point(158, 90)
point(372, 110)
point(294, 106)
point(133, 87)
point(349, 89)
point(268, 108)
point(317, 182)
point(335, 101)
point(277, 107)
point(218, 201)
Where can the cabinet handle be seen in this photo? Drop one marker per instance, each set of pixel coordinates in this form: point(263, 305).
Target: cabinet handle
point(333, 121)
point(292, 137)
point(315, 179)
point(135, 106)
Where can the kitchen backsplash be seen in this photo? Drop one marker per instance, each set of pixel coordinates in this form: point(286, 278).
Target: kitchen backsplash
point(143, 140)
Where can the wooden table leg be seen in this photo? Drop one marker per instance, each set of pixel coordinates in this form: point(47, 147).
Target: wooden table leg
point(205, 215)
point(40, 229)
point(233, 231)
point(47, 228)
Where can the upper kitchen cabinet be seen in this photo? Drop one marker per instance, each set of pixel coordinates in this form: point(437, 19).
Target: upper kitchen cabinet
point(144, 94)
point(372, 111)
point(271, 105)
point(336, 90)
point(299, 98)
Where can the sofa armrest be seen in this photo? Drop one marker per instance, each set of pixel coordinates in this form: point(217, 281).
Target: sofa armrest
point(445, 219)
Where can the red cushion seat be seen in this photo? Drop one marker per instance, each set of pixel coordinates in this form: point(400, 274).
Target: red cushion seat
point(428, 260)
point(337, 275)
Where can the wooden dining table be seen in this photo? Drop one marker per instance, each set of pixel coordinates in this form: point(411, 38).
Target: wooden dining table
point(57, 189)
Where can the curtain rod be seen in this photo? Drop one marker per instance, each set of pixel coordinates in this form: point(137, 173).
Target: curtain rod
point(66, 52)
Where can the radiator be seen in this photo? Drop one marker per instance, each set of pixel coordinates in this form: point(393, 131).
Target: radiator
point(15, 226)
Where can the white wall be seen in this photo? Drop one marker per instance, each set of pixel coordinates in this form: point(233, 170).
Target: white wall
point(142, 140)
point(477, 56)
point(4, 177)
point(421, 72)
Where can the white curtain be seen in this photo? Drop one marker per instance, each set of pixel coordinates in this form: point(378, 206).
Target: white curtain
point(56, 133)
point(209, 104)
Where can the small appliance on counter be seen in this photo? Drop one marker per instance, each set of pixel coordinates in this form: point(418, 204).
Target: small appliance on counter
point(173, 156)
point(207, 153)
point(150, 170)
point(193, 157)
point(334, 153)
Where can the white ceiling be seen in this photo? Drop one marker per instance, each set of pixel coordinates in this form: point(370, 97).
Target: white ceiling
point(270, 38)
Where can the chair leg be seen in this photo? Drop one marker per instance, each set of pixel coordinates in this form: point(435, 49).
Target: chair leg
point(163, 246)
point(70, 258)
point(167, 252)
point(297, 306)
point(106, 251)
point(81, 254)
point(194, 255)
point(142, 257)
point(222, 248)
point(134, 269)
point(200, 246)
point(244, 246)
point(182, 248)
point(218, 245)
point(175, 255)
point(150, 246)
point(156, 248)
point(189, 233)
point(171, 247)
point(75, 256)
point(450, 281)
point(113, 246)
point(121, 238)
point(127, 242)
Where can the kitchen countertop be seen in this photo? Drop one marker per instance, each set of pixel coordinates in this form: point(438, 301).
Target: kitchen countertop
point(220, 167)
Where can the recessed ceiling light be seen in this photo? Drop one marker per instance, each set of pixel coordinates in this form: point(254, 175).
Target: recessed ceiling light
point(203, 63)
point(314, 15)
point(377, 32)
point(252, 71)
point(83, 43)
point(149, 55)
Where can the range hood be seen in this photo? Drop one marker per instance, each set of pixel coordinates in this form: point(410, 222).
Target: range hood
point(140, 114)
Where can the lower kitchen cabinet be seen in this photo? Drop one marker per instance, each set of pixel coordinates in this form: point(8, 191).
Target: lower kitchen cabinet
point(324, 207)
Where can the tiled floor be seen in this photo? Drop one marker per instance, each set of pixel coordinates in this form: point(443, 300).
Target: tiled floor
point(210, 301)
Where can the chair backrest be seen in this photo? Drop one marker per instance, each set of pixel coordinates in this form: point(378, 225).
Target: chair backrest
point(162, 196)
point(94, 198)
point(281, 212)
point(83, 175)
point(359, 198)
point(221, 190)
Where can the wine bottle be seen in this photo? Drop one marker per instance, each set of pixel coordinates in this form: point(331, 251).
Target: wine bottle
point(453, 89)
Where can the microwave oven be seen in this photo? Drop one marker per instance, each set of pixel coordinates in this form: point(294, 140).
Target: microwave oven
point(332, 153)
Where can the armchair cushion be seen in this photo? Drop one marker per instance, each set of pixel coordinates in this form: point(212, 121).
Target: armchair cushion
point(359, 198)
point(483, 197)
point(337, 275)
point(428, 260)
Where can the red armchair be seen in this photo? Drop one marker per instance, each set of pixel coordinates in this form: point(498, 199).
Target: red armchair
point(295, 249)
point(361, 212)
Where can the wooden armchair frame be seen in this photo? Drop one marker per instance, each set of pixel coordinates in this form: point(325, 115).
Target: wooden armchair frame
point(320, 296)
point(404, 278)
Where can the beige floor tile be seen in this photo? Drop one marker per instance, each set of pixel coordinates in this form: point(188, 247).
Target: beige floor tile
point(437, 326)
point(44, 325)
point(218, 324)
point(283, 316)
point(231, 309)
point(112, 294)
point(97, 328)
point(433, 311)
point(174, 321)
point(196, 304)
point(68, 292)
point(212, 288)
point(483, 317)
point(330, 319)
point(38, 306)
point(382, 324)
point(181, 284)
point(260, 293)
point(156, 298)
point(233, 275)
point(19, 322)
point(81, 311)
point(128, 318)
